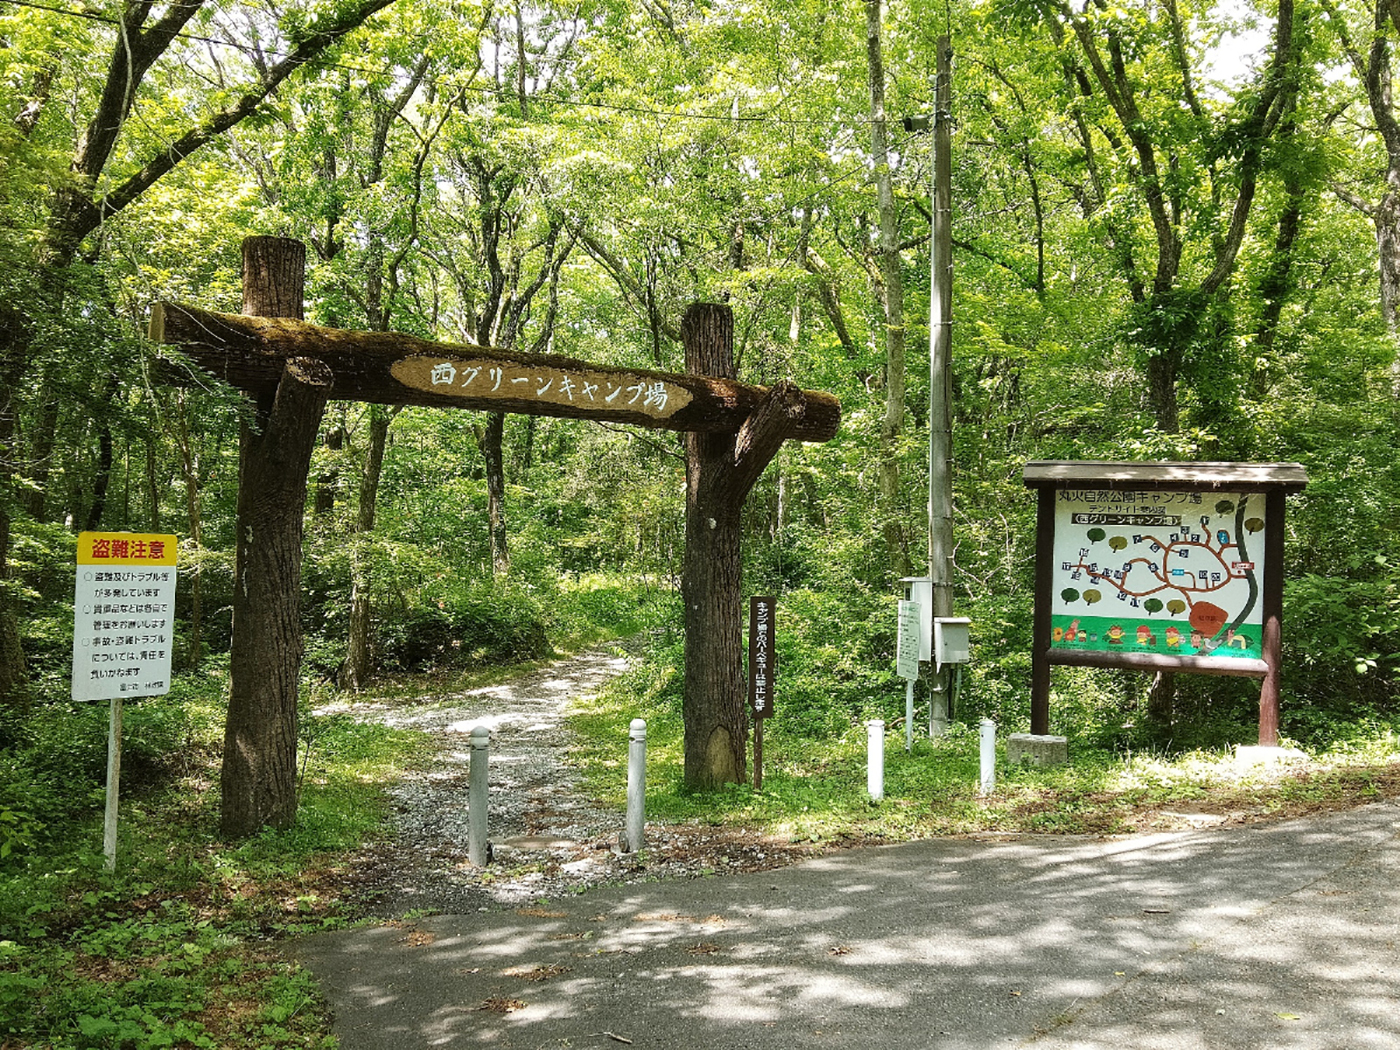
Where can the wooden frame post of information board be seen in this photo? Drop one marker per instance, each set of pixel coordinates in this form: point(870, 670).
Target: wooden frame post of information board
point(1161, 567)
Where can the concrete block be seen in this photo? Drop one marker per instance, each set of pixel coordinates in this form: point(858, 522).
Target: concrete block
point(1036, 749)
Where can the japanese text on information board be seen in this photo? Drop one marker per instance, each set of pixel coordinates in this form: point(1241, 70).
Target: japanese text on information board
point(1176, 573)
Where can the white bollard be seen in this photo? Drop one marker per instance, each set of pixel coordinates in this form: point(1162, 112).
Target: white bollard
point(633, 837)
point(478, 793)
point(875, 751)
point(988, 736)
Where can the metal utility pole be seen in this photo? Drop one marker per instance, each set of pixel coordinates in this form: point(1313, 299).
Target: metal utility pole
point(940, 428)
point(940, 323)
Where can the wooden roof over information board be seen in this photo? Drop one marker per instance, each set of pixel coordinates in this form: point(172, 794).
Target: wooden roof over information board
point(1222, 477)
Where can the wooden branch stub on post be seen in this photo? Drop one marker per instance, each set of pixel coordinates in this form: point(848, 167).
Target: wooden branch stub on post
point(274, 277)
point(764, 432)
point(394, 369)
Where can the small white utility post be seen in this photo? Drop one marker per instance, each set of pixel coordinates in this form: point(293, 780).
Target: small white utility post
point(634, 835)
point(875, 758)
point(478, 795)
point(988, 740)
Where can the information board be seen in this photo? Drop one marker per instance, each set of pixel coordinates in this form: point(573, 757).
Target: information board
point(1158, 571)
point(124, 615)
point(906, 660)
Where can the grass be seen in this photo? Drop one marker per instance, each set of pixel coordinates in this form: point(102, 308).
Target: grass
point(815, 790)
point(182, 945)
point(178, 947)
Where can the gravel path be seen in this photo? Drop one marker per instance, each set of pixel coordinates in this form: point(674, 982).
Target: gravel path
point(548, 837)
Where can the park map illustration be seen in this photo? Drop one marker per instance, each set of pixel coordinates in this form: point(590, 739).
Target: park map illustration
point(1173, 573)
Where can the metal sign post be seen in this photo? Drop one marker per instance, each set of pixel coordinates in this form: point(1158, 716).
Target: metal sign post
point(123, 630)
point(114, 776)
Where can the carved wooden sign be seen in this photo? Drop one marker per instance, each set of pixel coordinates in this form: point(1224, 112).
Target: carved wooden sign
point(499, 379)
point(396, 369)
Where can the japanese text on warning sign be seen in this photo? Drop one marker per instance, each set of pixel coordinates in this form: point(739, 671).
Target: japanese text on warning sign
point(124, 615)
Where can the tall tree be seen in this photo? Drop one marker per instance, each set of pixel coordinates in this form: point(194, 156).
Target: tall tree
point(1141, 119)
point(110, 167)
point(891, 295)
point(1374, 70)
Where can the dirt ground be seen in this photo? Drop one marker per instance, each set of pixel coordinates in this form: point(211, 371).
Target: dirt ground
point(548, 838)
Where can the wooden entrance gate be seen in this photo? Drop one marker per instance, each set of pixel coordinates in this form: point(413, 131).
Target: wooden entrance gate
point(291, 369)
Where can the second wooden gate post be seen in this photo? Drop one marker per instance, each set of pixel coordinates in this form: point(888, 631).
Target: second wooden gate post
point(258, 785)
point(720, 469)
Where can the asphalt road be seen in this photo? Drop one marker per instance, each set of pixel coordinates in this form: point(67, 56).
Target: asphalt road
point(1273, 937)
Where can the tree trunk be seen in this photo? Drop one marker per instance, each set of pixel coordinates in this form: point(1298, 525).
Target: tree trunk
point(43, 437)
point(102, 477)
point(892, 281)
point(489, 441)
point(189, 470)
point(720, 471)
point(356, 669)
point(260, 736)
point(1161, 701)
point(1387, 219)
point(716, 720)
point(1276, 286)
point(527, 456)
point(15, 336)
point(328, 479)
point(1162, 371)
point(152, 489)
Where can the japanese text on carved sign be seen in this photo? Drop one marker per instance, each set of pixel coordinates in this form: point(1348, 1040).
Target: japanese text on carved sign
point(124, 615)
point(1177, 573)
point(583, 388)
point(762, 655)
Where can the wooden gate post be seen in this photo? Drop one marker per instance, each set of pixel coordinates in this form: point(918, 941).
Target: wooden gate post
point(720, 470)
point(258, 785)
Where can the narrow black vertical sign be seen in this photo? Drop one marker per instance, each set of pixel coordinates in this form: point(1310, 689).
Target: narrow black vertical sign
point(762, 655)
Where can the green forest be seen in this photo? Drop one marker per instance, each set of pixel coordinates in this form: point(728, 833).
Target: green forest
point(1175, 234)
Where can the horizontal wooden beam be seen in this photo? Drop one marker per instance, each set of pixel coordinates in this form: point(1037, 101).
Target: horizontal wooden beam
point(1239, 667)
point(394, 369)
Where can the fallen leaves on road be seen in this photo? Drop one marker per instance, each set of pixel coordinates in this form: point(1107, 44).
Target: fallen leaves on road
point(534, 973)
point(498, 1004)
